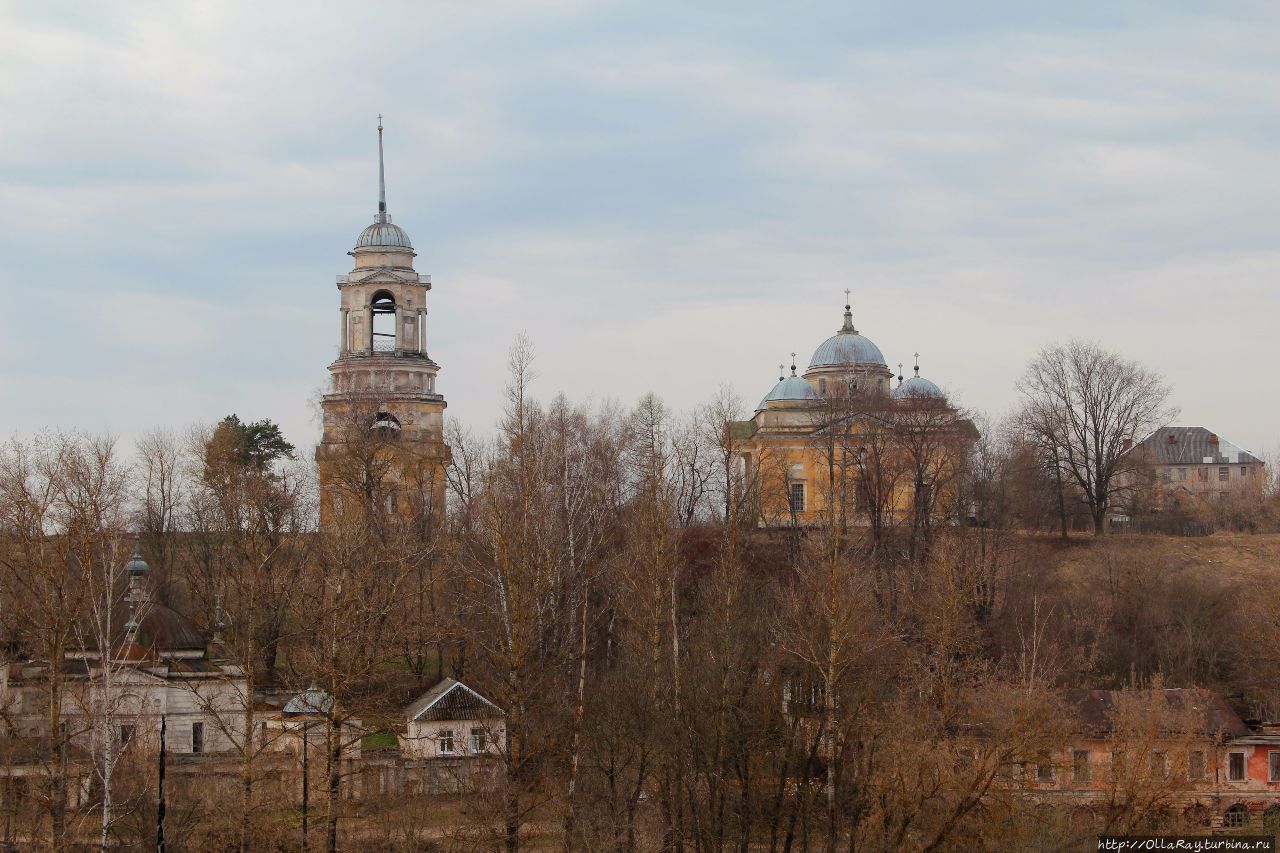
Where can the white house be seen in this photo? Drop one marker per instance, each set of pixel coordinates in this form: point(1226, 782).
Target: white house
point(453, 721)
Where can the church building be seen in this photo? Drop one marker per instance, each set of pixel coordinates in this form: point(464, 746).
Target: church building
point(841, 442)
point(382, 447)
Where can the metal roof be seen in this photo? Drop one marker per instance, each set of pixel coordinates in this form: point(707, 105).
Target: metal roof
point(789, 388)
point(1193, 446)
point(451, 700)
point(383, 234)
point(313, 700)
point(916, 386)
point(1096, 711)
point(847, 347)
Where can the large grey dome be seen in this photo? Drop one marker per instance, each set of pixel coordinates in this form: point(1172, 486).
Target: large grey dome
point(846, 348)
point(790, 388)
point(383, 235)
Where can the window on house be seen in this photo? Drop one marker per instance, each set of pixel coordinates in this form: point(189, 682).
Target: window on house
point(197, 737)
point(1244, 470)
point(1182, 473)
point(1119, 763)
point(797, 497)
point(1158, 765)
point(479, 743)
point(444, 741)
point(1224, 474)
point(1197, 767)
point(1237, 815)
point(1235, 767)
point(1164, 475)
point(1044, 769)
point(126, 735)
point(1203, 474)
point(1080, 766)
point(1273, 766)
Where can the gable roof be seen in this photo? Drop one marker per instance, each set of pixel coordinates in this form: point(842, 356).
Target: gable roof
point(451, 700)
point(1193, 446)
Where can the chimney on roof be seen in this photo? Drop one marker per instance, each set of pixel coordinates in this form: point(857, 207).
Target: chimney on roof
point(1213, 439)
point(1173, 439)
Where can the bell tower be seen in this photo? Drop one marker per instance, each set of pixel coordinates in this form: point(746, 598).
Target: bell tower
point(383, 447)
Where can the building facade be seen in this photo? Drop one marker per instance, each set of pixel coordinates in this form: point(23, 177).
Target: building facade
point(1191, 464)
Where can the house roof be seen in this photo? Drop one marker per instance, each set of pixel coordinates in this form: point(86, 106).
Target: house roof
point(451, 700)
point(1193, 446)
point(1095, 710)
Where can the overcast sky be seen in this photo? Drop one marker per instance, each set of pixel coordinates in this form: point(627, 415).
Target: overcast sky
point(664, 197)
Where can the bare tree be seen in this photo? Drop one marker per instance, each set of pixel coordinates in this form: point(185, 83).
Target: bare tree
point(1087, 406)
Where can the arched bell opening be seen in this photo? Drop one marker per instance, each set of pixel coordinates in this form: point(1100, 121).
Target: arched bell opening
point(386, 424)
point(383, 308)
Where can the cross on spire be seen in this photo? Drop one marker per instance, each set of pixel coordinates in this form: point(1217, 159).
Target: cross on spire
point(782, 372)
point(846, 297)
point(793, 364)
point(917, 355)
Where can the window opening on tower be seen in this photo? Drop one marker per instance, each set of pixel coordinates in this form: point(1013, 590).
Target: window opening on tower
point(383, 308)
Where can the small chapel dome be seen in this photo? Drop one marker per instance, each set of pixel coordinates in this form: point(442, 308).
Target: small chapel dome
point(383, 234)
point(137, 566)
point(789, 388)
point(916, 386)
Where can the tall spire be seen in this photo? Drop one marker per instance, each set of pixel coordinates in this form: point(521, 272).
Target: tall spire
point(382, 180)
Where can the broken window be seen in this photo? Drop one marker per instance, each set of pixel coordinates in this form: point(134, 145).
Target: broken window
point(1224, 474)
point(1044, 769)
point(197, 737)
point(1235, 767)
point(1080, 766)
point(1197, 767)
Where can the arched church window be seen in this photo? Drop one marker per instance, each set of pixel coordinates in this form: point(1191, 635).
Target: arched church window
point(822, 387)
point(383, 308)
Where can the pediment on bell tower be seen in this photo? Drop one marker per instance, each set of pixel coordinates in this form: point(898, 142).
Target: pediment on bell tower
point(386, 275)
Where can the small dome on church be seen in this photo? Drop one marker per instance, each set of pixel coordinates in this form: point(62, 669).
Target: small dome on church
point(916, 386)
point(790, 388)
point(383, 234)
